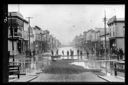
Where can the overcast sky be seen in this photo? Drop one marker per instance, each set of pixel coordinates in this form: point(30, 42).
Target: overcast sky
point(66, 21)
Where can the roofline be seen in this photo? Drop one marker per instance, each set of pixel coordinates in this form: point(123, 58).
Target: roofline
point(97, 31)
point(37, 28)
point(91, 30)
point(114, 19)
point(104, 34)
point(17, 17)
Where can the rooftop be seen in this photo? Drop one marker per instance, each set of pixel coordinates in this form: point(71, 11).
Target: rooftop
point(36, 27)
point(114, 19)
point(91, 30)
point(17, 15)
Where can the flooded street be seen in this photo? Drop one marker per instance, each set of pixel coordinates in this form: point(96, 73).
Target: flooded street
point(67, 70)
point(64, 43)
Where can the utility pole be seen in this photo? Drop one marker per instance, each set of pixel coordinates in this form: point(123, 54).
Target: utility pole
point(12, 32)
point(41, 42)
point(105, 39)
point(18, 8)
point(29, 40)
point(46, 42)
point(29, 33)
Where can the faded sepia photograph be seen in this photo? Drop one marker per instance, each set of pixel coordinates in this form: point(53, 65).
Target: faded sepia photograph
point(66, 42)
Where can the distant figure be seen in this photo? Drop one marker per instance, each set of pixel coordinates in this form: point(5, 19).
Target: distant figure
point(78, 53)
point(72, 54)
point(63, 52)
point(57, 52)
point(30, 53)
point(52, 52)
point(71, 51)
point(87, 54)
point(68, 54)
point(115, 71)
point(121, 53)
point(81, 54)
point(33, 52)
point(118, 53)
point(110, 50)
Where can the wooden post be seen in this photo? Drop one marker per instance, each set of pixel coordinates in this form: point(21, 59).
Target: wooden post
point(18, 71)
point(115, 71)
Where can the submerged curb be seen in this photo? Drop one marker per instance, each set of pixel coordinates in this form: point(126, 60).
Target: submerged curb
point(32, 79)
point(103, 78)
point(107, 79)
point(23, 80)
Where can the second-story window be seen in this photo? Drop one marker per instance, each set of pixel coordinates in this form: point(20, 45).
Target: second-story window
point(15, 31)
point(124, 31)
point(110, 32)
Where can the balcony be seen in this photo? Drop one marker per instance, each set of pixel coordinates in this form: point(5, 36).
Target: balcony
point(16, 36)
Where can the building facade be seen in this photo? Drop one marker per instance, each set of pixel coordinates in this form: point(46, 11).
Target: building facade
point(91, 40)
point(37, 39)
point(15, 29)
point(116, 31)
point(18, 39)
point(100, 37)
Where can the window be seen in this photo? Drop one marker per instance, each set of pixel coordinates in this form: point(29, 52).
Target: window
point(110, 32)
point(15, 31)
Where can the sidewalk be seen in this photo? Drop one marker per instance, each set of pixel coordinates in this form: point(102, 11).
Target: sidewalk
point(111, 78)
point(85, 65)
point(26, 78)
point(108, 77)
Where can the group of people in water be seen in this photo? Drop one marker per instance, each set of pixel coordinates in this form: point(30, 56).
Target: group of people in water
point(69, 53)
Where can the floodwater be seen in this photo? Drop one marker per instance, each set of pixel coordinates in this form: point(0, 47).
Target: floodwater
point(87, 63)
